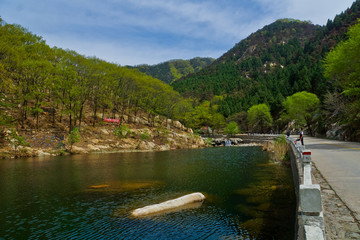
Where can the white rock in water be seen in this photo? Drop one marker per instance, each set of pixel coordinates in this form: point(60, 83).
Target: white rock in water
point(168, 205)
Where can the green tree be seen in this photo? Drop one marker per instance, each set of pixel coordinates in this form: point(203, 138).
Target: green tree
point(259, 118)
point(342, 65)
point(17, 140)
point(123, 131)
point(303, 108)
point(217, 121)
point(74, 137)
point(232, 128)
point(182, 109)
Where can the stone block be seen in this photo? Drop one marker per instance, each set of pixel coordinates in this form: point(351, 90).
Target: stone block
point(306, 156)
point(307, 174)
point(310, 198)
point(312, 232)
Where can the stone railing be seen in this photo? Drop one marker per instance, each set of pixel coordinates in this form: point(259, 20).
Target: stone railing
point(310, 220)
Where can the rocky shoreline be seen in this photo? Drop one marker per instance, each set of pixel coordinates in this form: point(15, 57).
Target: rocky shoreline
point(339, 220)
point(101, 139)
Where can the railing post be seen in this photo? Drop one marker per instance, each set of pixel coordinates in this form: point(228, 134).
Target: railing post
point(310, 199)
point(310, 194)
point(306, 156)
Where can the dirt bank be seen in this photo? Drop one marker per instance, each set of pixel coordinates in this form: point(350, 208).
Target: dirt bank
point(140, 137)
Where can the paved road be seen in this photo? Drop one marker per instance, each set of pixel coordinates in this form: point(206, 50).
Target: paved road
point(339, 163)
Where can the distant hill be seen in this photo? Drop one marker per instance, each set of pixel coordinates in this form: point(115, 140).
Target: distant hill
point(274, 62)
point(174, 69)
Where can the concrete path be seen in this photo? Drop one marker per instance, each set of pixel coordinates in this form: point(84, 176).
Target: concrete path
point(339, 163)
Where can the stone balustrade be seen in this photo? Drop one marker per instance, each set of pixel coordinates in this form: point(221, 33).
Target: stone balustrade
point(310, 221)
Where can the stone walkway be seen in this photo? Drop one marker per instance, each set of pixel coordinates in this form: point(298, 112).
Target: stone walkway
point(340, 222)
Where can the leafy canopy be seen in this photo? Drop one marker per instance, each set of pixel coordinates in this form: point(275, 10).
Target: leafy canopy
point(74, 137)
point(232, 128)
point(342, 65)
point(302, 107)
point(259, 118)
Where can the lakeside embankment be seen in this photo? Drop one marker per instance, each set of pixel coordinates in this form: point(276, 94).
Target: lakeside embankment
point(135, 137)
point(104, 139)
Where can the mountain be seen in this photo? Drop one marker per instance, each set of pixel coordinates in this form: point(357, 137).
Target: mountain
point(276, 61)
point(174, 69)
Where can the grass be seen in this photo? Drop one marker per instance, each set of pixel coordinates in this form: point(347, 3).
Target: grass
point(123, 131)
point(281, 149)
point(145, 135)
point(208, 141)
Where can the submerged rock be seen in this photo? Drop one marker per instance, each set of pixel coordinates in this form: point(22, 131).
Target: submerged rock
point(119, 186)
point(169, 205)
point(99, 186)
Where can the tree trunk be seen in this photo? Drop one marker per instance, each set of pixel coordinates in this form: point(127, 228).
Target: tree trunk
point(53, 116)
point(122, 113)
point(70, 123)
point(62, 109)
point(128, 108)
point(308, 124)
point(80, 114)
point(149, 118)
point(37, 120)
point(37, 113)
point(95, 110)
point(70, 120)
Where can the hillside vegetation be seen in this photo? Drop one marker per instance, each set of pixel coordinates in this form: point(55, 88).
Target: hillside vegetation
point(275, 62)
point(172, 70)
point(45, 88)
point(280, 77)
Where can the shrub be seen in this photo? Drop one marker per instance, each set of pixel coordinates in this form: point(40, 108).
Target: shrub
point(208, 141)
point(281, 139)
point(232, 128)
point(281, 149)
point(74, 137)
point(123, 131)
point(145, 135)
point(16, 139)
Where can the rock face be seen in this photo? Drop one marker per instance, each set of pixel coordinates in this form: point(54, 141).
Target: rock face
point(78, 150)
point(226, 141)
point(178, 125)
point(165, 147)
point(168, 205)
point(104, 131)
point(336, 132)
point(145, 145)
point(159, 135)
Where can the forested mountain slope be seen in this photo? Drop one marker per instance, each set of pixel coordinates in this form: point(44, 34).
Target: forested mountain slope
point(174, 69)
point(36, 78)
point(276, 61)
point(46, 90)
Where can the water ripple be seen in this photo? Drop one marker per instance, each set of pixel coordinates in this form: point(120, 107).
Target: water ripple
point(58, 204)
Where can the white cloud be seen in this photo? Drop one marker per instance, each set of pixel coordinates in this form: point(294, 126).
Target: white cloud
point(318, 11)
point(152, 31)
point(130, 53)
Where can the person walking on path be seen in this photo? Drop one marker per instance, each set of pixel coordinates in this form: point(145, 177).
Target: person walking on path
point(301, 136)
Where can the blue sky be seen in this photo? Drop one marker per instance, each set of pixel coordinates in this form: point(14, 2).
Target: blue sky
point(131, 32)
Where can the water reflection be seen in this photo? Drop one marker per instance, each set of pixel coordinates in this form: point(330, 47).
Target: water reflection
point(91, 196)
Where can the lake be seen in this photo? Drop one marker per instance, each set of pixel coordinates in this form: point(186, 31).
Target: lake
point(91, 196)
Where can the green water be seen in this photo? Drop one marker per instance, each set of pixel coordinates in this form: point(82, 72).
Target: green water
point(60, 198)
